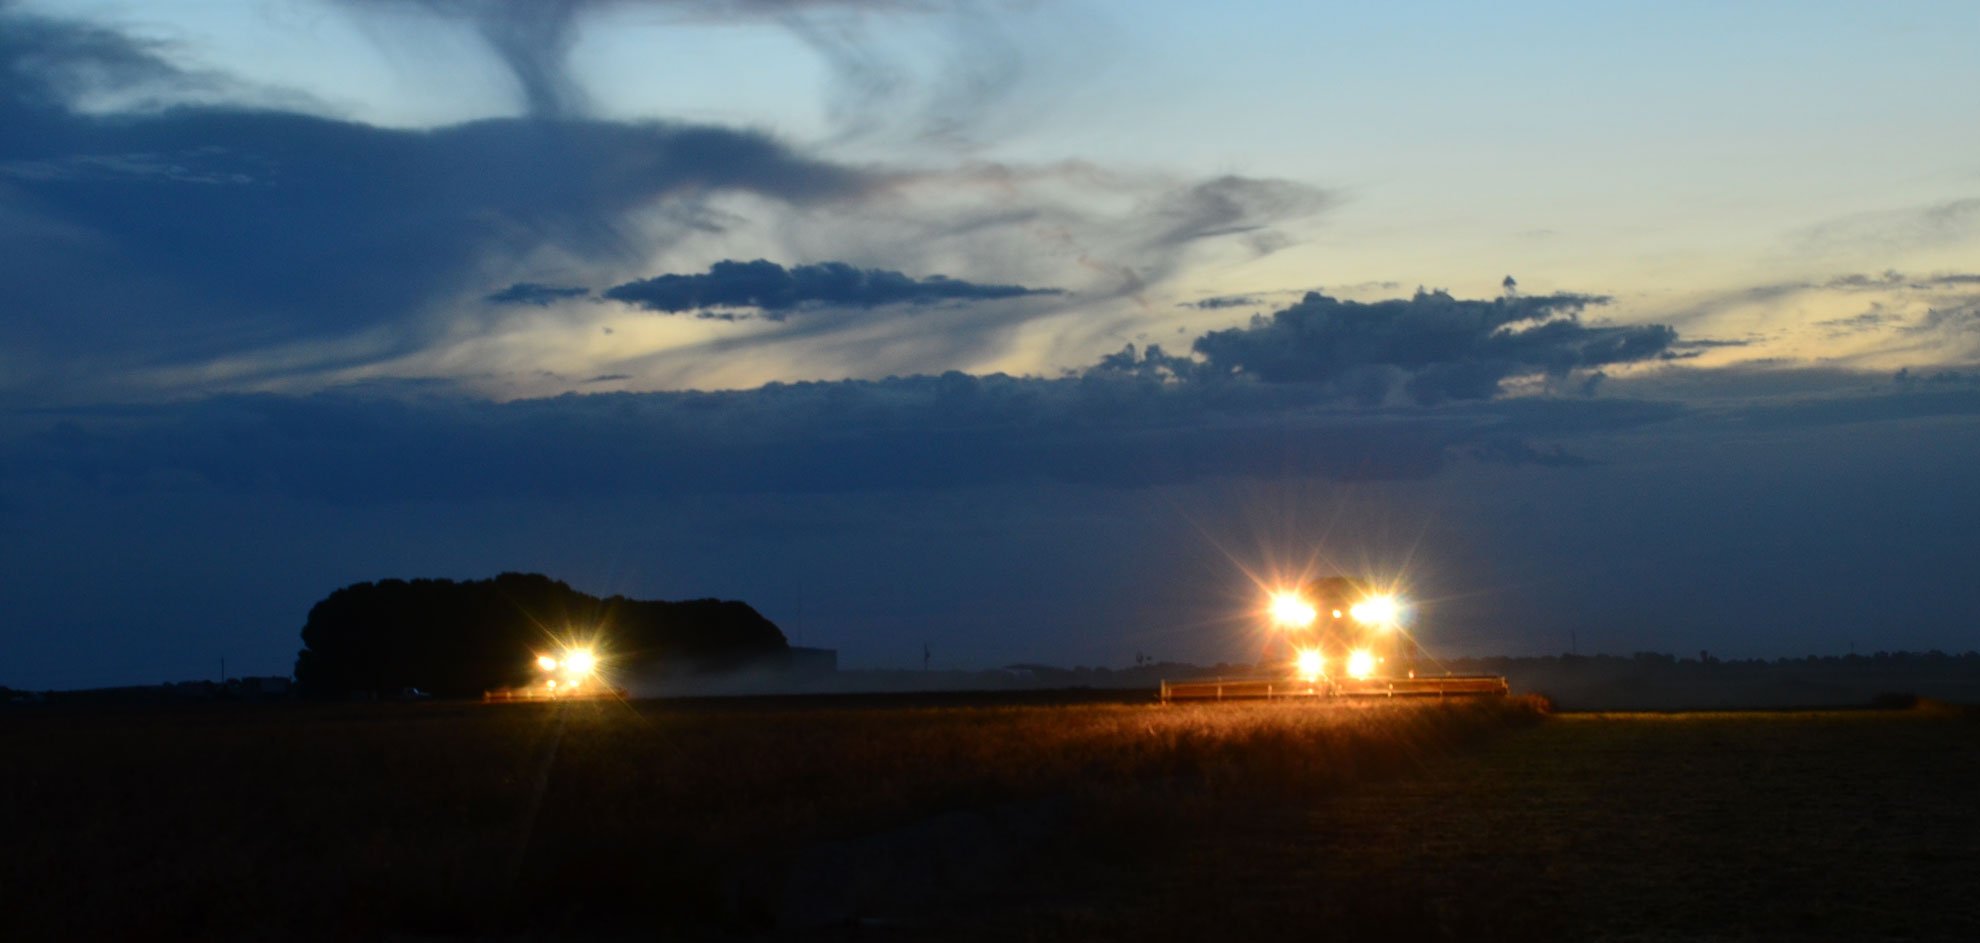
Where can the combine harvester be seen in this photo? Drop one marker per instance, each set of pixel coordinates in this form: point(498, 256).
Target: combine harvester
point(1344, 640)
point(573, 677)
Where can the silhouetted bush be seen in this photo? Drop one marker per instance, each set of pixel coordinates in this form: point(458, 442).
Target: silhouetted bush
point(461, 638)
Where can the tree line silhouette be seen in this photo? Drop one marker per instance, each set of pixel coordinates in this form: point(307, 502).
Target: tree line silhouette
point(457, 639)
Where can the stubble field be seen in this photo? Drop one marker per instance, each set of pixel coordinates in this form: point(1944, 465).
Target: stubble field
point(1029, 821)
point(1793, 825)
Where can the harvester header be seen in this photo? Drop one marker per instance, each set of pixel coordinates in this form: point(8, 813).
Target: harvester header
point(1337, 637)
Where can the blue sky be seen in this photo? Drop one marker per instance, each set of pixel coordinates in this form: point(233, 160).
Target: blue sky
point(986, 325)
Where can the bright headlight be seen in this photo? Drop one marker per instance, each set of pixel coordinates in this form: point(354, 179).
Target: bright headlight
point(1360, 664)
point(1292, 612)
point(1376, 610)
point(1309, 664)
point(546, 663)
point(580, 661)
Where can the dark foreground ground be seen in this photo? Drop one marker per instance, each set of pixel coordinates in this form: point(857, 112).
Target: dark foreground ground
point(1047, 818)
point(1839, 825)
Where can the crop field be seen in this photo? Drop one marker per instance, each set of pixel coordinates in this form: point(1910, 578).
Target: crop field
point(593, 820)
point(975, 818)
point(1803, 825)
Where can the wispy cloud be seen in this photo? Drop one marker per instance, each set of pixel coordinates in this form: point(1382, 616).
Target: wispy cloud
point(1949, 222)
point(877, 86)
point(330, 248)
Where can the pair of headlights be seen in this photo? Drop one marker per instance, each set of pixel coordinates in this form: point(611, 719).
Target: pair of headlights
point(576, 663)
point(1292, 611)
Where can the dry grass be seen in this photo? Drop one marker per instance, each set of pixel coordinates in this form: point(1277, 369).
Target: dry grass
point(442, 819)
point(1854, 825)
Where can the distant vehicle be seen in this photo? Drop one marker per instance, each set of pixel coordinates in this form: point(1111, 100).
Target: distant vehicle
point(411, 694)
point(1337, 637)
point(574, 674)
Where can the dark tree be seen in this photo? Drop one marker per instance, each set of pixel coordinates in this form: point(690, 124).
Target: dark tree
point(459, 639)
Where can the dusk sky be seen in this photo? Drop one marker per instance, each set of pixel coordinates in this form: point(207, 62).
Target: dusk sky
point(1025, 331)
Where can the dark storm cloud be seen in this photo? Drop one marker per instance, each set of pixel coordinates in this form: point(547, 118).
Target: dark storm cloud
point(1941, 396)
point(48, 62)
point(1432, 346)
point(930, 432)
point(1136, 418)
point(1909, 379)
point(926, 433)
point(191, 233)
point(1520, 452)
point(776, 291)
point(531, 293)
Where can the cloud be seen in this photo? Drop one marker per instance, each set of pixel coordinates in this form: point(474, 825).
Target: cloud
point(1220, 302)
point(923, 433)
point(1948, 222)
point(1709, 343)
point(1432, 347)
point(201, 234)
point(49, 62)
point(911, 433)
point(1135, 419)
point(1909, 379)
point(877, 87)
point(1874, 319)
point(1900, 286)
point(1128, 233)
point(877, 82)
point(532, 38)
point(1958, 320)
point(1892, 280)
point(327, 249)
point(1521, 452)
point(776, 291)
point(531, 293)
point(1233, 205)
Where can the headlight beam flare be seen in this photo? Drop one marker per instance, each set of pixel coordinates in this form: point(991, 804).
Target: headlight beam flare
point(1363, 650)
point(572, 670)
point(1291, 611)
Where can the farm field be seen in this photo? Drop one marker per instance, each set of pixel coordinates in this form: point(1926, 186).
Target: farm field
point(1837, 825)
point(604, 820)
point(978, 818)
